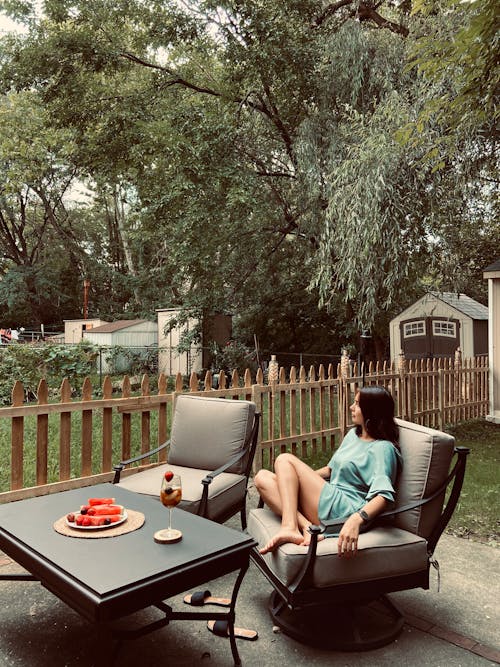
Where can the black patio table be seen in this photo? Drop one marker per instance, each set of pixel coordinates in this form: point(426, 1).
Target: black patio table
point(109, 578)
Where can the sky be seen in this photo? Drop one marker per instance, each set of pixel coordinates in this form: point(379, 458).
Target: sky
point(6, 25)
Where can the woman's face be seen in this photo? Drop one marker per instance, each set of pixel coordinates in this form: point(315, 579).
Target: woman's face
point(356, 415)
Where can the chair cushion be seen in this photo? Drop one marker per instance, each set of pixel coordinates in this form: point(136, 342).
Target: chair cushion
point(427, 455)
point(382, 552)
point(207, 432)
point(226, 490)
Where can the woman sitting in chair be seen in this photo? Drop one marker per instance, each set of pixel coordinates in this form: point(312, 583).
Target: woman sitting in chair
point(357, 483)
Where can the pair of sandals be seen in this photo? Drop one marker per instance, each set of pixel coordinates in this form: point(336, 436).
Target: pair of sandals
point(219, 628)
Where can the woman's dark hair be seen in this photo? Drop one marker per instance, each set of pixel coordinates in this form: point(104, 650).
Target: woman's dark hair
point(377, 407)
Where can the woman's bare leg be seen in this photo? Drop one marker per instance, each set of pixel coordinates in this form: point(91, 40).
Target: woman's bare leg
point(266, 483)
point(294, 493)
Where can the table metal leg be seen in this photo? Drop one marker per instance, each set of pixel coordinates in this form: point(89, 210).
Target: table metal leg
point(171, 615)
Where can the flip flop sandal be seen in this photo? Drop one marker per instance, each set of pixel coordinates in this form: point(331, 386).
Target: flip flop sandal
point(201, 598)
point(221, 629)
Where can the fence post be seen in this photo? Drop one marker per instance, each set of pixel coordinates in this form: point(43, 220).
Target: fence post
point(65, 433)
point(345, 368)
point(162, 416)
point(273, 371)
point(403, 408)
point(457, 385)
point(17, 439)
point(441, 392)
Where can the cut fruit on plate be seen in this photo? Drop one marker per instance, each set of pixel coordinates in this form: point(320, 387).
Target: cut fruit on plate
point(96, 522)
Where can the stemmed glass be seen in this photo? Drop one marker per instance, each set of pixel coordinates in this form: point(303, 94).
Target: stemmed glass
point(170, 496)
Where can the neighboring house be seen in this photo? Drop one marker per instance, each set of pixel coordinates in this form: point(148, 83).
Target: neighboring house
point(439, 323)
point(74, 329)
point(492, 274)
point(130, 334)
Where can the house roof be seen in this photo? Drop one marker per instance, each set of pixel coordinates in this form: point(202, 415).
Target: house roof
point(493, 267)
point(465, 304)
point(111, 327)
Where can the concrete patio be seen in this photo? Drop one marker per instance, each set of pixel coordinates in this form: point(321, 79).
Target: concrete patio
point(459, 626)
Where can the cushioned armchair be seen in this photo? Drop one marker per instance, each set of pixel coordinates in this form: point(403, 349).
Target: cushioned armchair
point(341, 603)
point(212, 445)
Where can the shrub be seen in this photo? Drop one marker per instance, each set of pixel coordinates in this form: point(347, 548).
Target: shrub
point(52, 362)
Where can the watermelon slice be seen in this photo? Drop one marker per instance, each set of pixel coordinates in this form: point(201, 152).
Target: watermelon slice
point(100, 520)
point(101, 501)
point(103, 510)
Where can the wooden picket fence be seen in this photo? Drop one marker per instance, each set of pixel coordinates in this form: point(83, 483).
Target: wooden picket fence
point(305, 412)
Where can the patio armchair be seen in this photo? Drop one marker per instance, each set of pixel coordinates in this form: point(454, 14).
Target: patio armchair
point(331, 602)
point(212, 446)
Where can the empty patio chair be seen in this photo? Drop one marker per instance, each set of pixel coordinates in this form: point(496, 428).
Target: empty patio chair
point(212, 445)
point(333, 602)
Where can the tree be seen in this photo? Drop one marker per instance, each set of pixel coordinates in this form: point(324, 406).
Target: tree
point(34, 221)
point(256, 146)
point(460, 60)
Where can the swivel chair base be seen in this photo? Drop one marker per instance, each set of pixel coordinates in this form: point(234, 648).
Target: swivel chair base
point(343, 627)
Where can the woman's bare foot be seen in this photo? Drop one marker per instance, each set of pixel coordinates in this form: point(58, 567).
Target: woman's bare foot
point(306, 535)
point(282, 537)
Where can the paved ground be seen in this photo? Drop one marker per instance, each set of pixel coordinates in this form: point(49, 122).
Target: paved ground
point(459, 626)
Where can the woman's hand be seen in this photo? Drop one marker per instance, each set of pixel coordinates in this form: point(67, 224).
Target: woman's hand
point(348, 537)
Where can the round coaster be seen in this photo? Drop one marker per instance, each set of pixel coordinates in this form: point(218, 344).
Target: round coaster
point(166, 536)
point(134, 521)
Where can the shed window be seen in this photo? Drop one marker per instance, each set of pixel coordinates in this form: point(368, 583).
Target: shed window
point(416, 328)
point(444, 328)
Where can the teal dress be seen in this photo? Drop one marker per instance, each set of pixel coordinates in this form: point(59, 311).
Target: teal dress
point(361, 470)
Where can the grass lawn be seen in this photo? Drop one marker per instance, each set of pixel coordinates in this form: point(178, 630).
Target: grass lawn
point(476, 516)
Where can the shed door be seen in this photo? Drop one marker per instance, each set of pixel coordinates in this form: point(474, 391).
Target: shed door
point(428, 337)
point(414, 338)
point(445, 336)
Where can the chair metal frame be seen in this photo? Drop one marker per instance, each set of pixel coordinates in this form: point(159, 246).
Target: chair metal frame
point(291, 606)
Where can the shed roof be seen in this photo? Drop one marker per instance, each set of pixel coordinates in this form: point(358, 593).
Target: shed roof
point(465, 304)
point(111, 327)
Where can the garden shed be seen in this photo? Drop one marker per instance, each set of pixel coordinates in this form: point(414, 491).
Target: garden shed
point(492, 274)
point(439, 323)
point(216, 328)
point(135, 335)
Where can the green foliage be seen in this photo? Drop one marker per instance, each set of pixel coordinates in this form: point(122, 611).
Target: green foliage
point(458, 56)
point(130, 361)
point(245, 157)
point(30, 363)
point(232, 356)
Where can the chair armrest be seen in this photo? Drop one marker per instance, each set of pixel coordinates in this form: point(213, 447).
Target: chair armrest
point(119, 466)
point(234, 459)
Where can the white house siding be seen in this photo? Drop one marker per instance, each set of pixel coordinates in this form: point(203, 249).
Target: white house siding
point(431, 306)
point(144, 334)
point(73, 329)
point(493, 276)
point(171, 362)
point(138, 334)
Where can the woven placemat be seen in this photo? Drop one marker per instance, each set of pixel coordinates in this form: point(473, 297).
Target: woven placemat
point(134, 521)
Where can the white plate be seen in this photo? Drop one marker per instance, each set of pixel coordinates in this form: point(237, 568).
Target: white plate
point(72, 524)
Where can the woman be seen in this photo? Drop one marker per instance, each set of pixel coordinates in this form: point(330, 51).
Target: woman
point(361, 477)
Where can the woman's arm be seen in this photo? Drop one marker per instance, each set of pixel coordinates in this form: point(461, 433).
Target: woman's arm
point(348, 538)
